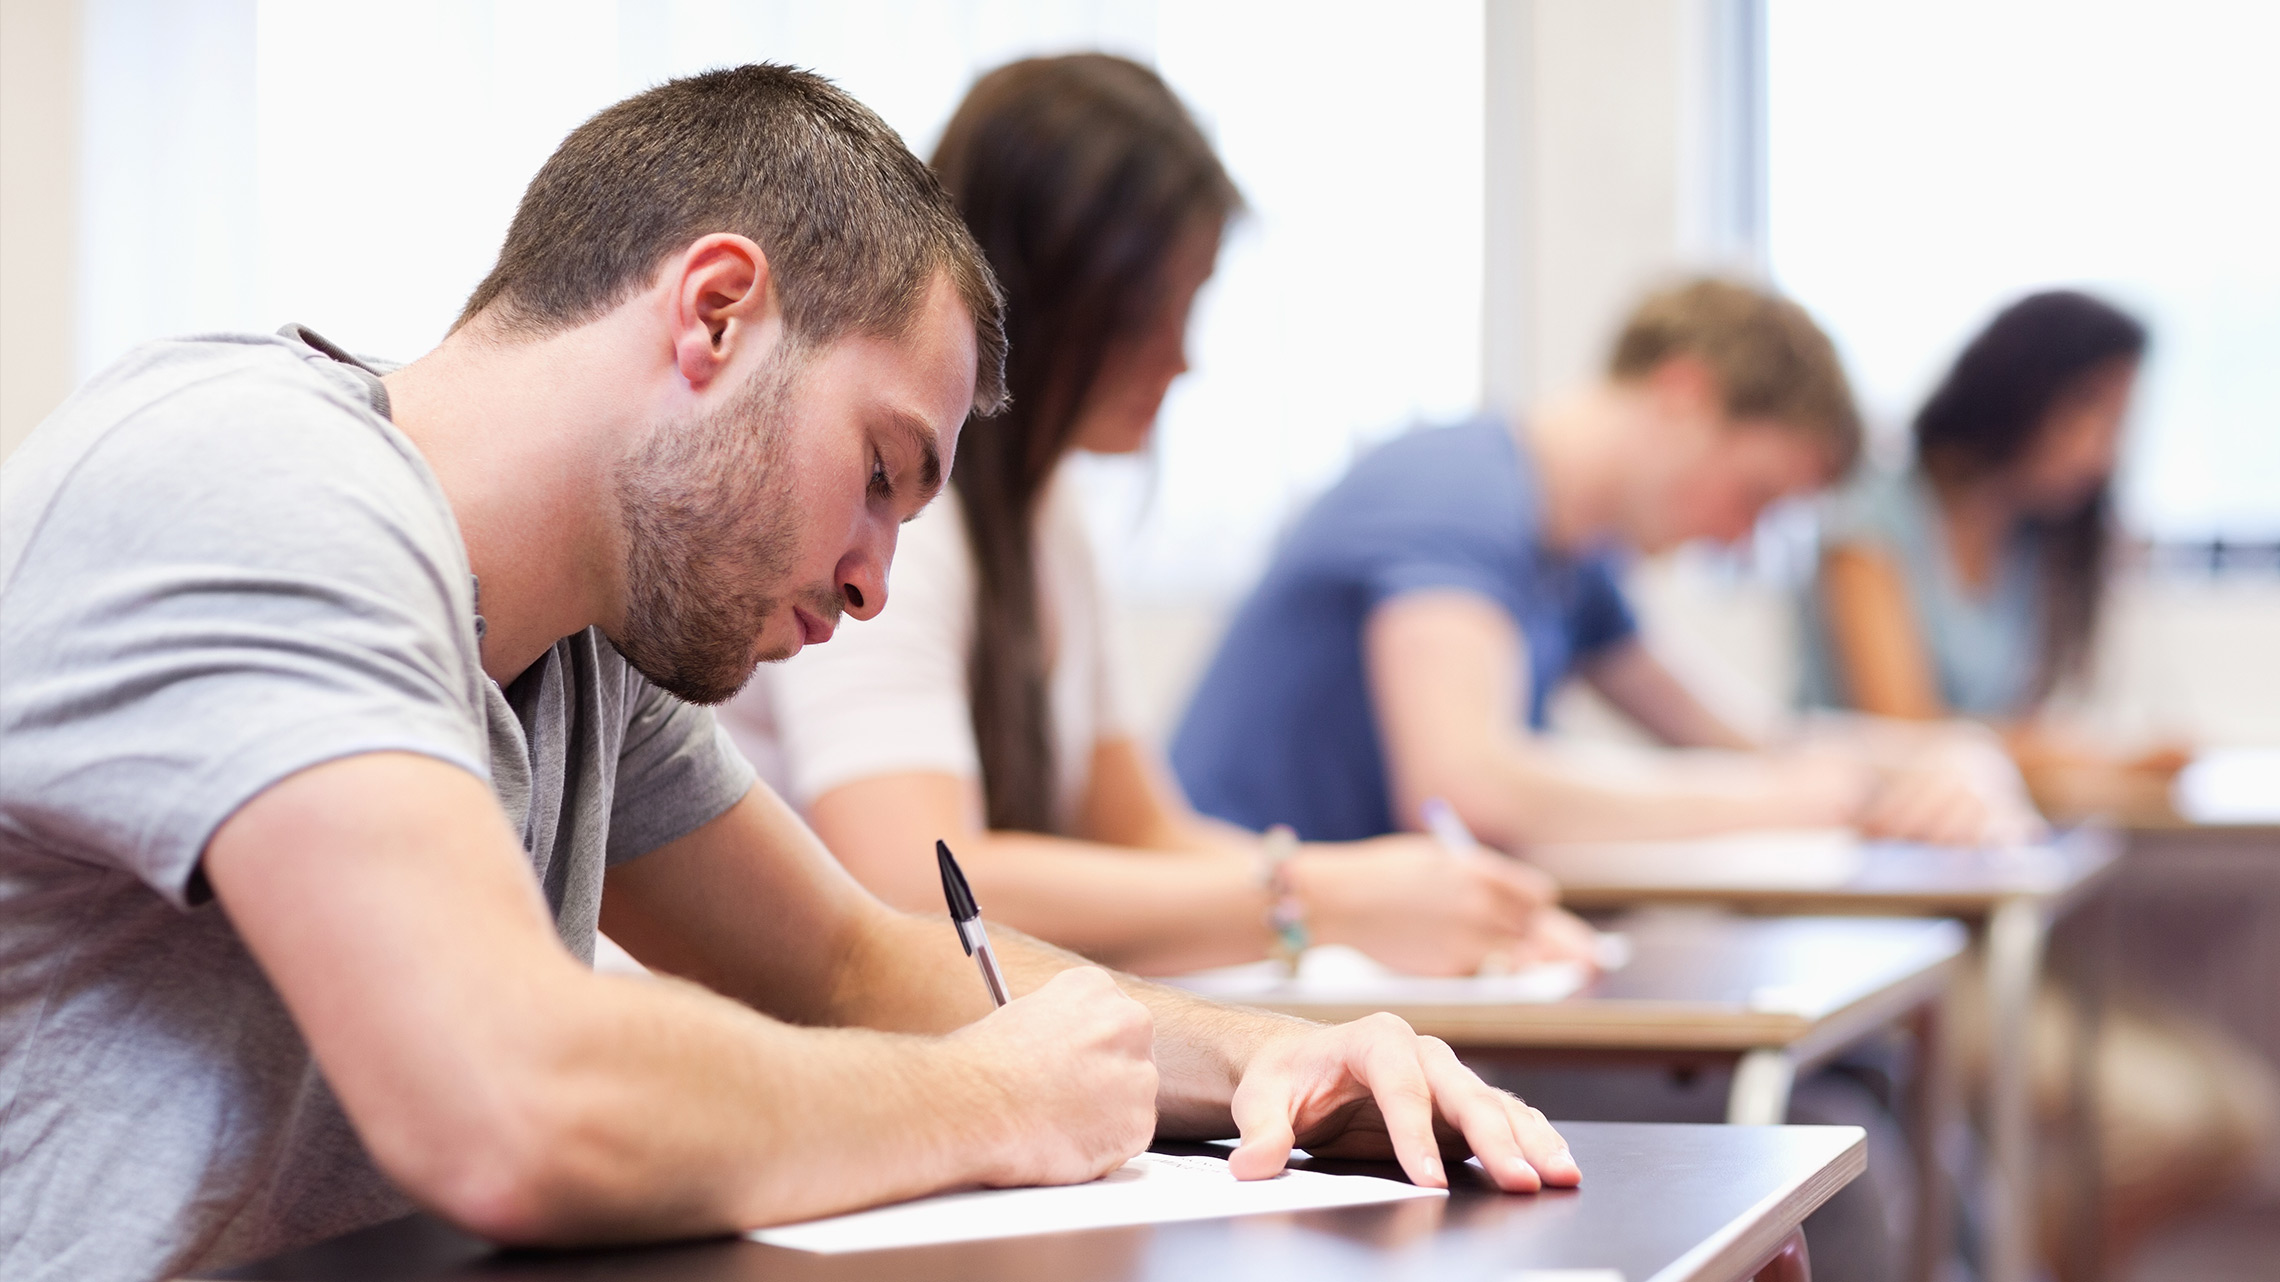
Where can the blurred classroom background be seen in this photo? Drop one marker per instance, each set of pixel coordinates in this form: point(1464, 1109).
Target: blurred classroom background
point(1451, 202)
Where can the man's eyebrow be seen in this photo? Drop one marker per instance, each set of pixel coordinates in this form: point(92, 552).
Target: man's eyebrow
point(921, 436)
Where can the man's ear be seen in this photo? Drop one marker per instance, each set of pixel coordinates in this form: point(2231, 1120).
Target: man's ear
point(720, 296)
point(1685, 389)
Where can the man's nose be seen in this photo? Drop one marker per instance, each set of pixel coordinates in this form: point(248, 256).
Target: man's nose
point(863, 596)
point(863, 577)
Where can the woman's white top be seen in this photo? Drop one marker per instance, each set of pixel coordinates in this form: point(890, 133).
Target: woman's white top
point(889, 696)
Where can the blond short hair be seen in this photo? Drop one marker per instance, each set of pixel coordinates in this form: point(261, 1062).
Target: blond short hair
point(1771, 360)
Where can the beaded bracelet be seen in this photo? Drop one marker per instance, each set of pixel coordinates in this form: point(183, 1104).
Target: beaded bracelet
point(1286, 913)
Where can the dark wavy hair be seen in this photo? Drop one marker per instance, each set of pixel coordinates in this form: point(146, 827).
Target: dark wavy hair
point(1078, 176)
point(1990, 411)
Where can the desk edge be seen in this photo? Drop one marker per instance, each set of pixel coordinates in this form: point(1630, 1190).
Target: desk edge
point(1757, 1232)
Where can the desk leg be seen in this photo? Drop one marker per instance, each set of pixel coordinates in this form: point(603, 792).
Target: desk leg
point(1789, 1264)
point(2014, 968)
point(1760, 1093)
point(2086, 1222)
point(1931, 1112)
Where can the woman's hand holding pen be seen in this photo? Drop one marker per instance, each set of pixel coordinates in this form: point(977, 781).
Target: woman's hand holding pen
point(1418, 906)
point(1071, 1071)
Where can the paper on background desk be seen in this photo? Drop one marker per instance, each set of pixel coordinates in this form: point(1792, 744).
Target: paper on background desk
point(2230, 786)
point(1153, 1188)
point(1333, 974)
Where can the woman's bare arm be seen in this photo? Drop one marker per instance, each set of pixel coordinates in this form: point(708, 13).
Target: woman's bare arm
point(1880, 653)
point(1403, 899)
point(1150, 911)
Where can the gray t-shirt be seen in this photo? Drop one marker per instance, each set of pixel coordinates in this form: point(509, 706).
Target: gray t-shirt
point(220, 564)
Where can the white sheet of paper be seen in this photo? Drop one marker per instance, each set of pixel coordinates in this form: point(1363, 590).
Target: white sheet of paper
point(1153, 1188)
point(1334, 974)
point(2230, 786)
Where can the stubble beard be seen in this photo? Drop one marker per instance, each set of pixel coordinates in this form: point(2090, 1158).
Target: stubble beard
point(711, 535)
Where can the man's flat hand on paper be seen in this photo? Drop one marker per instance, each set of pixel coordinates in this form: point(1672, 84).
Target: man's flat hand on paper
point(1373, 1088)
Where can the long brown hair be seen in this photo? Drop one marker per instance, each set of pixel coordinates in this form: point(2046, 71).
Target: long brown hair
point(1078, 176)
point(1989, 412)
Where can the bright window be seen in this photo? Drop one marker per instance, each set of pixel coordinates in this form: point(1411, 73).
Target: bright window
point(1930, 161)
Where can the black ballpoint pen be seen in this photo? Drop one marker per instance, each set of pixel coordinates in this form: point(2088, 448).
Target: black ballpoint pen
point(969, 920)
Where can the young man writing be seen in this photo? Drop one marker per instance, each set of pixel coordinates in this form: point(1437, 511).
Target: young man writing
point(339, 707)
point(1405, 641)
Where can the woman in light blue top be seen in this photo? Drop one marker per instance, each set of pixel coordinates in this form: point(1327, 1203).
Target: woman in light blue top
point(1970, 584)
point(1976, 644)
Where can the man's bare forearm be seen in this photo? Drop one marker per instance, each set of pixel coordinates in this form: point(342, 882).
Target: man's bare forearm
point(1529, 794)
point(496, 1079)
point(674, 1111)
point(1643, 689)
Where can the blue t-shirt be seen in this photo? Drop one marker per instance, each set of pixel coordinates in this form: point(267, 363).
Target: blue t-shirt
point(1281, 729)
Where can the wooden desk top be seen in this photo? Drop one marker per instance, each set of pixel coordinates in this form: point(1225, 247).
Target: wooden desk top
point(1659, 1203)
point(1708, 982)
point(1888, 878)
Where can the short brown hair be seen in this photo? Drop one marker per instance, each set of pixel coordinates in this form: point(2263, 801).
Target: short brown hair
point(854, 226)
point(1771, 361)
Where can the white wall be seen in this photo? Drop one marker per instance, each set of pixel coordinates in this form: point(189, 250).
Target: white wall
point(39, 141)
point(1347, 305)
point(1612, 165)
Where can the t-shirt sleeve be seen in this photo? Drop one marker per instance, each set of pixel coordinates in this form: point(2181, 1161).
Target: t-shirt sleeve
point(1602, 616)
point(888, 694)
point(221, 591)
point(678, 770)
point(1871, 511)
point(1435, 510)
point(1422, 561)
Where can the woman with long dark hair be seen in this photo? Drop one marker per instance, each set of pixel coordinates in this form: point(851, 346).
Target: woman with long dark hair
point(981, 705)
point(1971, 584)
